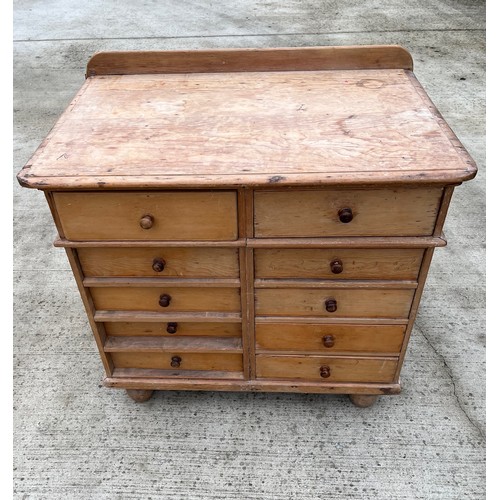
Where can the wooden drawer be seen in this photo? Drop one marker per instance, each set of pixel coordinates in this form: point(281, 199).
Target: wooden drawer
point(195, 262)
point(355, 303)
point(315, 213)
point(328, 338)
point(202, 215)
point(348, 263)
point(179, 329)
point(181, 299)
point(188, 361)
point(338, 369)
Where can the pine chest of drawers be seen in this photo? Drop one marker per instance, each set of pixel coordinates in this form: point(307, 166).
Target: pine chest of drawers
point(257, 220)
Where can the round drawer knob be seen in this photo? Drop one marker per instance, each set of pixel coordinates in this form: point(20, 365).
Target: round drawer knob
point(159, 264)
point(172, 327)
point(324, 371)
point(328, 340)
point(336, 266)
point(345, 215)
point(147, 221)
point(331, 305)
point(164, 300)
point(175, 362)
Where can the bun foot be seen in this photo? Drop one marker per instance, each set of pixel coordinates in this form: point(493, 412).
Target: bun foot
point(363, 400)
point(139, 395)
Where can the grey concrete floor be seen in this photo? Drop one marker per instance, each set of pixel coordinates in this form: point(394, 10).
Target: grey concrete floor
point(74, 439)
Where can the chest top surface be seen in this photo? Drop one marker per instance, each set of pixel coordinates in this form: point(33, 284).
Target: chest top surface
point(199, 126)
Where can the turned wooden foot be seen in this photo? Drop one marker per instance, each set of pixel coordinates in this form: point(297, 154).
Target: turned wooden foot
point(363, 400)
point(139, 395)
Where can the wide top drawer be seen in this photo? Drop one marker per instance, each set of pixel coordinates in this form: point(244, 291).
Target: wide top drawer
point(357, 212)
point(175, 215)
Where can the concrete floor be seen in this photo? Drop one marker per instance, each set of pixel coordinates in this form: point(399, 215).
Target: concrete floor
point(74, 439)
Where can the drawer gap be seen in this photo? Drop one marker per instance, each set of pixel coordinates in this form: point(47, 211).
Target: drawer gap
point(137, 373)
point(162, 282)
point(308, 283)
point(178, 344)
point(110, 316)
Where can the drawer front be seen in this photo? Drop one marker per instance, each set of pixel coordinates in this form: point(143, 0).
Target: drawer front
point(184, 361)
point(172, 329)
point(326, 369)
point(351, 263)
point(174, 216)
point(329, 338)
point(193, 262)
point(378, 212)
point(356, 303)
point(167, 300)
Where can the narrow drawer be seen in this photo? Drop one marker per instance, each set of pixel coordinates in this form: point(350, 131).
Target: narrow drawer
point(167, 300)
point(345, 263)
point(327, 369)
point(332, 303)
point(203, 215)
point(195, 262)
point(172, 329)
point(178, 361)
point(324, 213)
point(328, 338)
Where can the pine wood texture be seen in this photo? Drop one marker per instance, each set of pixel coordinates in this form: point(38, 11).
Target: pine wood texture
point(384, 212)
point(329, 338)
point(189, 361)
point(203, 215)
point(363, 264)
point(182, 299)
point(254, 128)
point(353, 303)
point(341, 369)
point(178, 262)
point(251, 219)
point(228, 60)
point(183, 328)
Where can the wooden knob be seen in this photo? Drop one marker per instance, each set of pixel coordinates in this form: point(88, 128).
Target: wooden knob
point(328, 340)
point(164, 300)
point(175, 362)
point(331, 305)
point(159, 264)
point(172, 327)
point(324, 371)
point(147, 221)
point(336, 266)
point(345, 215)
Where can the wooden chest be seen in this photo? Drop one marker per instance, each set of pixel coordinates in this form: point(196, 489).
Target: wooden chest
point(256, 220)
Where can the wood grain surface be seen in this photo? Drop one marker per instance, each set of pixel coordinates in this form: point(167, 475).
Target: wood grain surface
point(247, 128)
point(397, 264)
point(310, 337)
point(179, 262)
point(383, 212)
point(204, 215)
point(375, 303)
point(342, 369)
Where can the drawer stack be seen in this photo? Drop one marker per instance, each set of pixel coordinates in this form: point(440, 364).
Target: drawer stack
point(161, 273)
point(336, 274)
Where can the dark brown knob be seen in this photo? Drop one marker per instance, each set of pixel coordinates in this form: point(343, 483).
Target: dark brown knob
point(331, 305)
point(336, 266)
point(175, 362)
point(172, 327)
point(328, 340)
point(158, 264)
point(164, 300)
point(345, 215)
point(147, 221)
point(324, 371)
